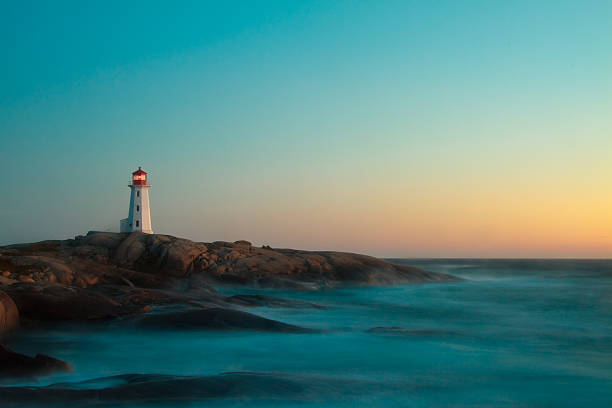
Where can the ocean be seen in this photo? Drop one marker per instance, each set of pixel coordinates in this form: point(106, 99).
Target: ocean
point(512, 333)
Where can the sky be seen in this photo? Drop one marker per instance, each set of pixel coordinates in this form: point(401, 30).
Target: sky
point(392, 128)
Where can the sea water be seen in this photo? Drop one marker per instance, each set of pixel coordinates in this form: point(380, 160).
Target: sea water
point(511, 334)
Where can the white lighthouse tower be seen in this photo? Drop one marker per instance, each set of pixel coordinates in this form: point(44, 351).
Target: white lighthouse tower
point(139, 218)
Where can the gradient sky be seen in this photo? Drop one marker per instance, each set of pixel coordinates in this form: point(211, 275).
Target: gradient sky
point(393, 128)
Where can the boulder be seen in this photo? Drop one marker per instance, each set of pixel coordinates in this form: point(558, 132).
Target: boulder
point(9, 314)
point(158, 253)
point(130, 250)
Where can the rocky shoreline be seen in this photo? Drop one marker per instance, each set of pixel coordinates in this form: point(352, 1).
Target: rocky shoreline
point(139, 276)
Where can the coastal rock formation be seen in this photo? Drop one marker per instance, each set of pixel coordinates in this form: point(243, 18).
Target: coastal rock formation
point(106, 275)
point(9, 315)
point(269, 267)
point(15, 365)
point(163, 261)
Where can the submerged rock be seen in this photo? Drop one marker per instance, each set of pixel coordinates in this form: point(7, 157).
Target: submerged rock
point(215, 319)
point(15, 365)
point(270, 301)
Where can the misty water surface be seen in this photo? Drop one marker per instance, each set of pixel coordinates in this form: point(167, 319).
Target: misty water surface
point(515, 333)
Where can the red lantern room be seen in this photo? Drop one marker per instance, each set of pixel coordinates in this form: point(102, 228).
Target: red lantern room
point(139, 177)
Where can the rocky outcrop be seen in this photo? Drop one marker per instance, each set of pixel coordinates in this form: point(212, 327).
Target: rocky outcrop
point(163, 261)
point(286, 267)
point(9, 314)
point(16, 366)
point(104, 275)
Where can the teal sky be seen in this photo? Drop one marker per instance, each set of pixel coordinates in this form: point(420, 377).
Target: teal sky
point(395, 128)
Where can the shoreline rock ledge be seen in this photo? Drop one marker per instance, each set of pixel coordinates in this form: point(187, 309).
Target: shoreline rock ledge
point(163, 261)
point(121, 276)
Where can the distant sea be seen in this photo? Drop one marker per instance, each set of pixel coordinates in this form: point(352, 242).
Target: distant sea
point(514, 333)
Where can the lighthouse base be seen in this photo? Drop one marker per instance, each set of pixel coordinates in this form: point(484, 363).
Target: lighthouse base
point(124, 226)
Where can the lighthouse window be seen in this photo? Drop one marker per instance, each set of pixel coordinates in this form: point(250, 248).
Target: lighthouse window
point(138, 194)
point(137, 222)
point(137, 208)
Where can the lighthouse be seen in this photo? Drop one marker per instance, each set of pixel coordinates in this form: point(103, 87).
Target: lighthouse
point(139, 218)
